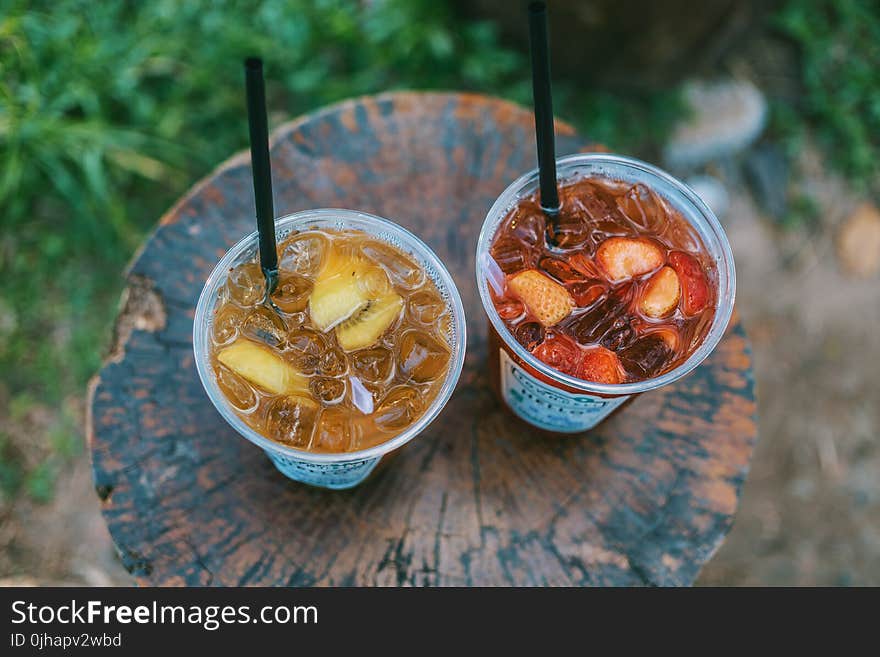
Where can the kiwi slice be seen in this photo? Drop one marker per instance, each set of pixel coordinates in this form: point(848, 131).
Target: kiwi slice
point(346, 285)
point(369, 323)
point(263, 368)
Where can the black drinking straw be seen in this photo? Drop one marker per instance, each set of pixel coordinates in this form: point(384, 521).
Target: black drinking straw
point(262, 172)
point(543, 100)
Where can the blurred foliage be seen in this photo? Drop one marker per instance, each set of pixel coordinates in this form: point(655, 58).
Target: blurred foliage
point(110, 110)
point(839, 47)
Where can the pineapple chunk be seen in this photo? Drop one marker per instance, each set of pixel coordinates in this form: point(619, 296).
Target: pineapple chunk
point(263, 368)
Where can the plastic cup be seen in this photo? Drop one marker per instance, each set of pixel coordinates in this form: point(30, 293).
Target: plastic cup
point(348, 469)
point(561, 403)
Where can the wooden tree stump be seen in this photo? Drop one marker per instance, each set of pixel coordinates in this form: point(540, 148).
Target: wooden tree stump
point(478, 499)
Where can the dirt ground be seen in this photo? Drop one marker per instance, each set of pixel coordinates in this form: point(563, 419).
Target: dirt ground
point(810, 512)
point(61, 543)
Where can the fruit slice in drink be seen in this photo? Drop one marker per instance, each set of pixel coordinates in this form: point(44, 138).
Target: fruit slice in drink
point(265, 369)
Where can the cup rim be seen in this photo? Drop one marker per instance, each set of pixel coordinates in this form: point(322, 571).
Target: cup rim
point(727, 277)
point(304, 220)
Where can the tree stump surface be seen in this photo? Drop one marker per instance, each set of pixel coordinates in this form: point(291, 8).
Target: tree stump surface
point(478, 498)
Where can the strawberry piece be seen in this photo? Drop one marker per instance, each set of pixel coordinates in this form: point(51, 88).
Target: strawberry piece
point(693, 279)
point(600, 365)
point(661, 294)
point(546, 299)
point(558, 351)
point(622, 258)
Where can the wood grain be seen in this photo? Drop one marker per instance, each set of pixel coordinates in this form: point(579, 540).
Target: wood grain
point(478, 499)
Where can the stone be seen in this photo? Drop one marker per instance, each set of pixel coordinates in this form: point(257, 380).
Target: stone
point(725, 117)
point(858, 242)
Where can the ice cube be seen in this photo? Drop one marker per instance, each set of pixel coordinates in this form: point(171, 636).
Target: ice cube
point(582, 263)
point(263, 325)
point(226, 324)
point(373, 282)
point(568, 231)
point(426, 306)
point(529, 334)
point(646, 357)
point(375, 365)
point(307, 346)
point(641, 206)
point(528, 224)
point(587, 293)
point(669, 335)
point(334, 432)
point(402, 271)
point(360, 396)
point(399, 408)
point(422, 357)
point(303, 253)
point(363, 432)
point(591, 326)
point(512, 256)
point(339, 431)
point(588, 199)
point(237, 391)
point(327, 390)
point(292, 293)
point(619, 336)
point(333, 362)
point(561, 271)
point(291, 420)
point(509, 309)
point(246, 284)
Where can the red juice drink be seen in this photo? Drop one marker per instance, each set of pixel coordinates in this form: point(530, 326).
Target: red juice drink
point(627, 288)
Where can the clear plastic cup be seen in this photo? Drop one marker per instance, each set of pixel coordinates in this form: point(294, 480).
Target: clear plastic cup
point(342, 470)
point(561, 403)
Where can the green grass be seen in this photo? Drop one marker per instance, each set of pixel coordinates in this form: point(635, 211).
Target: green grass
point(110, 110)
point(839, 52)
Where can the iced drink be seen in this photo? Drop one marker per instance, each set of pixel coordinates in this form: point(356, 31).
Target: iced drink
point(368, 349)
point(617, 293)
